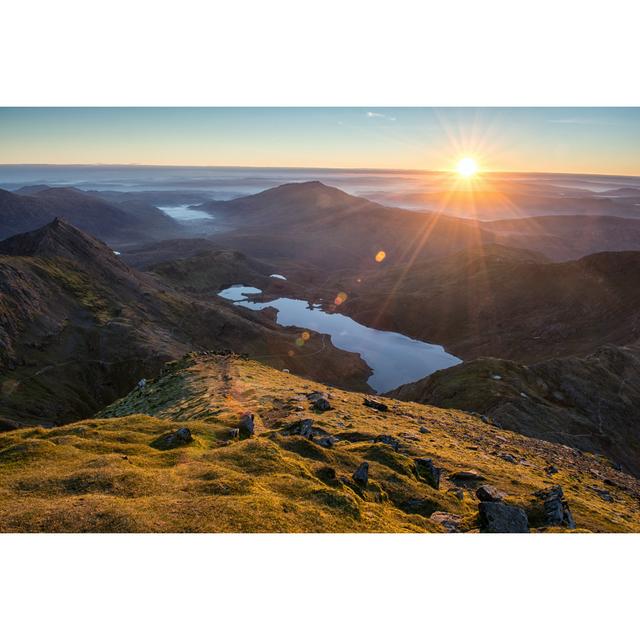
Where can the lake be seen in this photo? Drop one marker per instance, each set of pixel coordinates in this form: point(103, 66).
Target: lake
point(183, 213)
point(394, 358)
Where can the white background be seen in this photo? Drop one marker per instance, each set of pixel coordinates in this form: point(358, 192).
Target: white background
point(322, 53)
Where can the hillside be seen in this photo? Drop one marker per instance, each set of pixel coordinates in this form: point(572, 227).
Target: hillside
point(568, 237)
point(20, 213)
point(497, 303)
point(591, 403)
point(128, 470)
point(78, 328)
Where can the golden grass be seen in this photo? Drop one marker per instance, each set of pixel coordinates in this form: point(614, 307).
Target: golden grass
point(104, 474)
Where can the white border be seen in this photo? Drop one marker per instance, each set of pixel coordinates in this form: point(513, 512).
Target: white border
point(463, 52)
point(330, 53)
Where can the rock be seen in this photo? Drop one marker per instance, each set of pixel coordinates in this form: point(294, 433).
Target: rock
point(428, 472)
point(234, 433)
point(142, 383)
point(316, 395)
point(183, 435)
point(424, 430)
point(450, 521)
point(361, 475)
point(394, 443)
point(466, 478)
point(327, 441)
point(374, 404)
point(421, 506)
point(174, 439)
point(488, 493)
point(556, 508)
point(604, 494)
point(507, 457)
point(247, 424)
point(497, 517)
point(321, 404)
point(457, 492)
point(302, 428)
point(551, 469)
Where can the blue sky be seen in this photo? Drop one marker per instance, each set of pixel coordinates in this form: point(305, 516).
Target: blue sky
point(581, 140)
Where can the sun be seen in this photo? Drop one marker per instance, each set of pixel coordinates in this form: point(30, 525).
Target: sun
point(467, 167)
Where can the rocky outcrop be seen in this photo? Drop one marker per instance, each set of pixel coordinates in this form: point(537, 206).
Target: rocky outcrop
point(497, 517)
point(428, 472)
point(361, 475)
point(556, 508)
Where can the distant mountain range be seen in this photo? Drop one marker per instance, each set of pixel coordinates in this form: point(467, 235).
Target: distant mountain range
point(33, 207)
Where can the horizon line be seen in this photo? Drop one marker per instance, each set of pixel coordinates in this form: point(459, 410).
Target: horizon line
point(303, 168)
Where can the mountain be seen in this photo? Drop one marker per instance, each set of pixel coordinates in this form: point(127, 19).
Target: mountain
point(590, 403)
point(568, 237)
point(78, 328)
point(513, 199)
point(169, 458)
point(491, 302)
point(311, 223)
point(111, 223)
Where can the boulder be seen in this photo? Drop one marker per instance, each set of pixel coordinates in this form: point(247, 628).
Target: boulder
point(374, 404)
point(173, 439)
point(428, 472)
point(361, 475)
point(394, 443)
point(247, 424)
point(327, 441)
point(422, 506)
point(497, 517)
point(424, 430)
point(321, 404)
point(450, 521)
point(556, 508)
point(466, 478)
point(316, 395)
point(302, 428)
point(488, 493)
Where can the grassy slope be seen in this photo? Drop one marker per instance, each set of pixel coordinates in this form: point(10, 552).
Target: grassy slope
point(104, 474)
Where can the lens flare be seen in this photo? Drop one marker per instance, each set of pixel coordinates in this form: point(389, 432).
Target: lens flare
point(380, 256)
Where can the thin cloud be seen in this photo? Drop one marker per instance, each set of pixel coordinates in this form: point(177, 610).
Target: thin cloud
point(374, 114)
point(575, 121)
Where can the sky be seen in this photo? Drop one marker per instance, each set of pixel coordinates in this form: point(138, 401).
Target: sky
point(564, 140)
